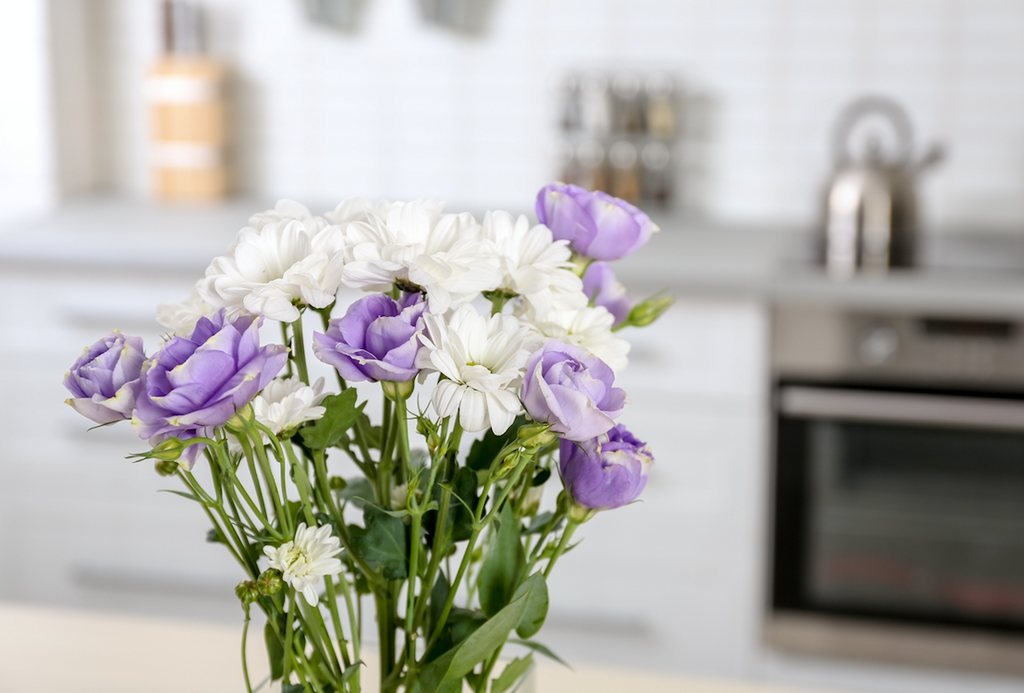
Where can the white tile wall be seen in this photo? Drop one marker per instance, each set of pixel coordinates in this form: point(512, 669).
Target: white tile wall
point(404, 109)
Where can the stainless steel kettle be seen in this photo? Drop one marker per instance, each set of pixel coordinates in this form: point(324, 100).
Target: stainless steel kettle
point(870, 203)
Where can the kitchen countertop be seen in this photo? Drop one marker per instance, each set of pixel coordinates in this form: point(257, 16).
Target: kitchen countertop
point(46, 650)
point(967, 274)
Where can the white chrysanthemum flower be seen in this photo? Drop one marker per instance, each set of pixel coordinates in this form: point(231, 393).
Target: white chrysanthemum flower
point(535, 266)
point(481, 359)
point(286, 403)
point(589, 327)
point(284, 210)
point(181, 317)
point(306, 559)
point(360, 209)
point(268, 270)
point(412, 242)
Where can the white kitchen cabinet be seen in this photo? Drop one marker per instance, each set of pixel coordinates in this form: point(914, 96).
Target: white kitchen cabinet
point(671, 581)
point(674, 580)
point(91, 524)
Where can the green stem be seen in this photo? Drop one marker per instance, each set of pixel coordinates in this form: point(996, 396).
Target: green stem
point(300, 349)
point(243, 440)
point(410, 607)
point(268, 474)
point(245, 659)
point(228, 467)
point(287, 342)
point(485, 674)
point(332, 607)
point(216, 525)
point(570, 527)
point(316, 629)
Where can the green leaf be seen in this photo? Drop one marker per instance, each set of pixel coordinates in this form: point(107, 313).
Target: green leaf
point(381, 543)
point(190, 496)
point(536, 608)
point(460, 659)
point(351, 671)
point(358, 492)
point(481, 644)
point(512, 673)
point(373, 433)
point(540, 521)
point(342, 413)
point(438, 596)
point(484, 450)
point(541, 649)
point(293, 688)
point(275, 652)
point(504, 562)
point(214, 537)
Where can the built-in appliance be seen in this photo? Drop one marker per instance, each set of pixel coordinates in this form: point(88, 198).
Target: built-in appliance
point(898, 508)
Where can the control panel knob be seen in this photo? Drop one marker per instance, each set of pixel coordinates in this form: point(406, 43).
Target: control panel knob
point(878, 345)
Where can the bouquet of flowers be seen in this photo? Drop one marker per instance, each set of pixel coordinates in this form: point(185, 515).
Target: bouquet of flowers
point(507, 332)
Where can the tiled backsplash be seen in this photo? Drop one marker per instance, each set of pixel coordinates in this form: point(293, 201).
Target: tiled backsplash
point(405, 109)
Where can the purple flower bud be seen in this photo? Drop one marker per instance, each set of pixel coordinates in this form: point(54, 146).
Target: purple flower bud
point(105, 377)
point(571, 389)
point(607, 472)
point(596, 224)
point(199, 382)
point(375, 340)
point(601, 287)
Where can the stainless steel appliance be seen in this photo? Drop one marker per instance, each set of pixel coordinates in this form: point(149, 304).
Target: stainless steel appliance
point(870, 203)
point(899, 487)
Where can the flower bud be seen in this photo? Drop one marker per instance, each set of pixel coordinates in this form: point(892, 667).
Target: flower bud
point(336, 483)
point(167, 467)
point(646, 312)
point(247, 592)
point(397, 390)
point(535, 435)
point(580, 513)
point(269, 582)
point(429, 431)
point(169, 450)
point(240, 418)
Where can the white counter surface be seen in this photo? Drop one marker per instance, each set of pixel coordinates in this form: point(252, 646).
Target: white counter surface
point(48, 650)
point(970, 274)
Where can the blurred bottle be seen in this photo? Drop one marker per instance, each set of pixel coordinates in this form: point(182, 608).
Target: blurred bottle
point(625, 171)
point(629, 109)
point(590, 156)
point(660, 106)
point(566, 164)
point(595, 105)
point(568, 95)
point(658, 181)
point(186, 91)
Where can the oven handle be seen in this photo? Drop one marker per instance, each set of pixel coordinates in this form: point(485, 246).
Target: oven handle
point(901, 408)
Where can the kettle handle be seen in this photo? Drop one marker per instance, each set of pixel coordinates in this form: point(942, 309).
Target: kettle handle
point(857, 110)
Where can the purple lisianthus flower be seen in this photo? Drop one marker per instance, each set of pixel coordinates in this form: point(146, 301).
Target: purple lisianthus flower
point(196, 383)
point(571, 389)
point(596, 224)
point(603, 289)
point(105, 377)
point(375, 340)
point(607, 472)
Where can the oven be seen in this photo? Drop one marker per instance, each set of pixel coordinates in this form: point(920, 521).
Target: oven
point(898, 505)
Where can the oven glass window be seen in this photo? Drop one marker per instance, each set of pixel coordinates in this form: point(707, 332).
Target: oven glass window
point(915, 521)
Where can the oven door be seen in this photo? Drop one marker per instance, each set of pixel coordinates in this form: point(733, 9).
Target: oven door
point(899, 507)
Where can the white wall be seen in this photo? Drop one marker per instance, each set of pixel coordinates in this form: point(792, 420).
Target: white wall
point(405, 109)
point(27, 182)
